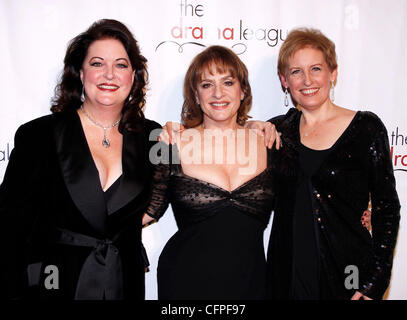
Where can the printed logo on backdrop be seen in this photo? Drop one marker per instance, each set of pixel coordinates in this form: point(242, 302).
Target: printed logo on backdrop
point(5, 152)
point(398, 150)
point(186, 34)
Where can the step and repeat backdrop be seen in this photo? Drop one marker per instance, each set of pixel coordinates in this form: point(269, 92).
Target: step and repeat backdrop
point(369, 37)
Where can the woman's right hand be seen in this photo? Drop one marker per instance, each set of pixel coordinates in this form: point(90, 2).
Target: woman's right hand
point(171, 132)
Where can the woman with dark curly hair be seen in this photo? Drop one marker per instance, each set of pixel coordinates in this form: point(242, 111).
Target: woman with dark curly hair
point(71, 216)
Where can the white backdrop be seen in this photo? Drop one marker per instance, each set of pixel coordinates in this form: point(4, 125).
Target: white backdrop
point(371, 48)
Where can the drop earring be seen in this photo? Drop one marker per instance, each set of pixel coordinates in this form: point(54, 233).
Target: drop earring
point(332, 91)
point(83, 92)
point(286, 103)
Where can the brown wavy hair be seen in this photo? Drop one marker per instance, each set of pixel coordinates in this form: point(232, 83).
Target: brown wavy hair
point(225, 60)
point(68, 92)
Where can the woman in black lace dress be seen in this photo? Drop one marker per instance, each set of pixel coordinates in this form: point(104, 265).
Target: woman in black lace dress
point(221, 190)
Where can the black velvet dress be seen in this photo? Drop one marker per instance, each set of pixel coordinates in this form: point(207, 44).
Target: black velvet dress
point(218, 251)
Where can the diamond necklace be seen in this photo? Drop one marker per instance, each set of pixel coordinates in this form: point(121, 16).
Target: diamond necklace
point(105, 141)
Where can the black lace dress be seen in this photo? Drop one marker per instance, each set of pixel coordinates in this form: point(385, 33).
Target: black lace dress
point(218, 251)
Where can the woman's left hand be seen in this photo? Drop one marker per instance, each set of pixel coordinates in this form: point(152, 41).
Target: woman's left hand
point(359, 296)
point(268, 130)
point(366, 219)
point(147, 220)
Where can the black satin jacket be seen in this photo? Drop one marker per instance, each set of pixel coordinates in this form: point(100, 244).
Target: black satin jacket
point(53, 213)
point(358, 167)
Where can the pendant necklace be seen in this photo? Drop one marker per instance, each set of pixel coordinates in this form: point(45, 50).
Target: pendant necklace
point(105, 141)
point(306, 134)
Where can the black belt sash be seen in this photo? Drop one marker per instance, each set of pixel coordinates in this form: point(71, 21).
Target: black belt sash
point(101, 275)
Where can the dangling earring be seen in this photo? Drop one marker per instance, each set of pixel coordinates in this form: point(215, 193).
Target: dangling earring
point(286, 103)
point(83, 94)
point(332, 91)
point(83, 91)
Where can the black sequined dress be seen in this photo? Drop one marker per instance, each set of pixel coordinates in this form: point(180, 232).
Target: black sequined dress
point(218, 251)
point(358, 168)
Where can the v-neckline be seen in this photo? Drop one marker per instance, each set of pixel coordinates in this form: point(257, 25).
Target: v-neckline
point(331, 151)
point(112, 185)
point(93, 160)
point(340, 138)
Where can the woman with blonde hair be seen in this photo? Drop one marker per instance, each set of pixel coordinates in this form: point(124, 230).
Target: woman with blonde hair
point(333, 161)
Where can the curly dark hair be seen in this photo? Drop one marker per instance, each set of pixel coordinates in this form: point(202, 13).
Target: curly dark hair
point(225, 60)
point(68, 92)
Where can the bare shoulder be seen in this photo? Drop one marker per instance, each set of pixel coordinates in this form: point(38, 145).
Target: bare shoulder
point(255, 136)
point(253, 139)
point(189, 135)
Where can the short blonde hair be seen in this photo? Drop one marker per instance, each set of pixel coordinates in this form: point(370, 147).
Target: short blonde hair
point(224, 60)
point(301, 38)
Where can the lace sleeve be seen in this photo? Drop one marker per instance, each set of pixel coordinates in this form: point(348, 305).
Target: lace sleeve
point(159, 197)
